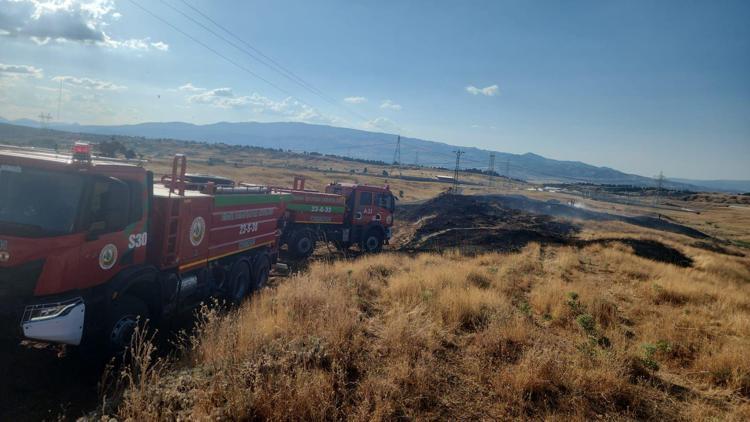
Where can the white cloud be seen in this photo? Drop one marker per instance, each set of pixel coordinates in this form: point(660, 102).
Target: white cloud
point(142, 44)
point(136, 44)
point(160, 46)
point(88, 83)
point(477, 126)
point(288, 108)
point(132, 44)
point(488, 91)
point(84, 21)
point(15, 71)
point(382, 123)
point(355, 100)
point(219, 97)
point(190, 87)
point(390, 105)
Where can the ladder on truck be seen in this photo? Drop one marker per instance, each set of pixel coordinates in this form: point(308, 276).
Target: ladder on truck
point(176, 186)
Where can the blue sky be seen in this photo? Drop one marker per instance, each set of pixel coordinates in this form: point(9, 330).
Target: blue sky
point(640, 86)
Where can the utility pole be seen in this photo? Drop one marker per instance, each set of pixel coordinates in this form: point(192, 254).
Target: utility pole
point(416, 158)
point(397, 155)
point(507, 172)
point(44, 119)
point(491, 170)
point(458, 153)
point(659, 186)
point(59, 100)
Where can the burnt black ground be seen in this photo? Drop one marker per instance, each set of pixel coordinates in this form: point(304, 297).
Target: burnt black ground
point(534, 206)
point(508, 223)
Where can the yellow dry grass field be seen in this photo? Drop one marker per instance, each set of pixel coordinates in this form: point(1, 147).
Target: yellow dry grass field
point(551, 332)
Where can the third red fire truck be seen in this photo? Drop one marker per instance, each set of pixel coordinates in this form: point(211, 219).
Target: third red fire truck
point(345, 214)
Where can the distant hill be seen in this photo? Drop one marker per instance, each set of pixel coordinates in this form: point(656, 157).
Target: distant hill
point(375, 146)
point(739, 186)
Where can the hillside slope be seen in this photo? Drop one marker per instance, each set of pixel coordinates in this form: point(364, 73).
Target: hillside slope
point(372, 146)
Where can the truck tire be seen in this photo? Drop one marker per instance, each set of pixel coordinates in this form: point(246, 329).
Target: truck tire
point(373, 241)
point(123, 316)
point(302, 244)
point(261, 270)
point(239, 283)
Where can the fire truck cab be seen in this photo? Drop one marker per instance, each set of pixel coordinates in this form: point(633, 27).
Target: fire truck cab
point(66, 225)
point(369, 213)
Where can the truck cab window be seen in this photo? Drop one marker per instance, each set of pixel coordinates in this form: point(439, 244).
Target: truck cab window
point(36, 202)
point(109, 205)
point(365, 198)
point(136, 201)
point(385, 200)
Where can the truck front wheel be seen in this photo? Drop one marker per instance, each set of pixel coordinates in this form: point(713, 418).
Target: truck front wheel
point(302, 244)
point(373, 241)
point(124, 316)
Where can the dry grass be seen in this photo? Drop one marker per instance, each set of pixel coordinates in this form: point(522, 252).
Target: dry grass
point(550, 332)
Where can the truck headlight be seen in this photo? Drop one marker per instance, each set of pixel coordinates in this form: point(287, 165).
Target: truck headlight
point(44, 311)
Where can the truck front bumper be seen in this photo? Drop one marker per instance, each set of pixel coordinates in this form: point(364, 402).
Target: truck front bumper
point(57, 322)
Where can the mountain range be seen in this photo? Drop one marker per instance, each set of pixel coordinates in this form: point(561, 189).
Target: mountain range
point(379, 146)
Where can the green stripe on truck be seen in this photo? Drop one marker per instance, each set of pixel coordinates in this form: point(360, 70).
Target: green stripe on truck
point(327, 200)
point(251, 199)
point(315, 208)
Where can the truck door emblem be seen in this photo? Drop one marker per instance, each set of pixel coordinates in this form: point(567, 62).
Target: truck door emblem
point(4, 256)
point(108, 257)
point(197, 231)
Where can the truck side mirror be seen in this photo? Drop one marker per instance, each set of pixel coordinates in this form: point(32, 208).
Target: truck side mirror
point(95, 230)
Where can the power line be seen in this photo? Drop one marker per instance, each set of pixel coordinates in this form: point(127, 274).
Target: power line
point(264, 59)
point(227, 59)
point(273, 62)
point(209, 48)
point(243, 50)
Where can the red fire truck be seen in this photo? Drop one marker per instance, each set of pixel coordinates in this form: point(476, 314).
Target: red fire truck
point(345, 214)
point(90, 246)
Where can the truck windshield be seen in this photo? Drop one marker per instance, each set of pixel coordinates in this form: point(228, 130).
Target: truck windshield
point(37, 203)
